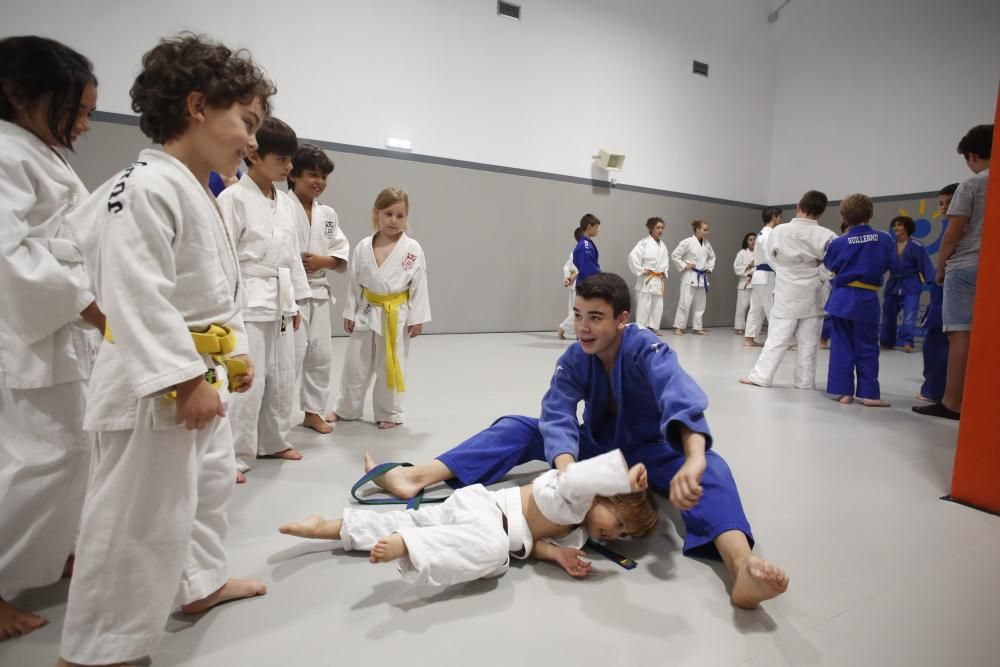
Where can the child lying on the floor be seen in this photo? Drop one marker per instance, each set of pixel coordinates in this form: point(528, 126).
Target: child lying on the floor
point(475, 531)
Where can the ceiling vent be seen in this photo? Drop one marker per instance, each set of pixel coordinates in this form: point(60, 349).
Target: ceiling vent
point(509, 9)
point(701, 69)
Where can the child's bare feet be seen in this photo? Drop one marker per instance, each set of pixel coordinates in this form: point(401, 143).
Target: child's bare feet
point(907, 348)
point(921, 397)
point(331, 417)
point(397, 481)
point(678, 332)
point(739, 332)
point(383, 425)
point(290, 454)
point(17, 623)
point(700, 332)
point(561, 333)
point(388, 548)
point(233, 589)
point(240, 477)
point(875, 403)
point(750, 342)
point(316, 423)
point(750, 382)
point(314, 526)
point(756, 581)
point(845, 400)
point(824, 345)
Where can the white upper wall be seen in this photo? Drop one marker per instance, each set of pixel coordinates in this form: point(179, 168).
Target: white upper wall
point(874, 95)
point(461, 82)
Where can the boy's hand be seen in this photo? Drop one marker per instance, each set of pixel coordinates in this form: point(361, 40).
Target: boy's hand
point(638, 480)
point(415, 330)
point(569, 559)
point(567, 281)
point(314, 263)
point(349, 326)
point(245, 381)
point(685, 487)
point(93, 316)
point(296, 320)
point(198, 403)
point(690, 265)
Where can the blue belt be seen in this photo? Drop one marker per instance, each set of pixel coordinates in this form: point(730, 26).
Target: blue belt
point(765, 267)
point(702, 277)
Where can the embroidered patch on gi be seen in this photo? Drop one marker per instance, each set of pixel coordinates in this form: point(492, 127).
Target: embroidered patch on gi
point(331, 228)
point(409, 261)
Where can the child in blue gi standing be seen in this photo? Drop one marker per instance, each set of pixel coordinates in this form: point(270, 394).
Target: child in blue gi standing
point(859, 259)
point(911, 270)
point(935, 347)
point(585, 255)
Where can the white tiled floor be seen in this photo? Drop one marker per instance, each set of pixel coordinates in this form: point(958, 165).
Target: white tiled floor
point(845, 498)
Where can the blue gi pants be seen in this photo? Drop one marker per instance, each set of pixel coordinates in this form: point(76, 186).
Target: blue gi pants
point(827, 328)
point(891, 305)
point(935, 363)
point(854, 347)
point(513, 440)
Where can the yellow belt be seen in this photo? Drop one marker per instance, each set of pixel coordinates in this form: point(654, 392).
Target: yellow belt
point(217, 342)
point(390, 303)
point(655, 274)
point(861, 285)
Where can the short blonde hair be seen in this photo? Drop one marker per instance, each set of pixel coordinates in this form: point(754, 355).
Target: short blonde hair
point(387, 198)
point(636, 510)
point(857, 209)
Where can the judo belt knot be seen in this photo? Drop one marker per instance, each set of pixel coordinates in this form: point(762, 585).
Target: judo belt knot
point(390, 304)
point(702, 278)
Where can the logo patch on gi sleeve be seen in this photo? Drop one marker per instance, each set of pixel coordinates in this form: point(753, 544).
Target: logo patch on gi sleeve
point(409, 261)
point(330, 229)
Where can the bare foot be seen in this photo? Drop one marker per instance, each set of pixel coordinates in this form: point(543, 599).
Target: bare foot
point(750, 382)
point(316, 423)
point(233, 589)
point(824, 345)
point(750, 342)
point(331, 417)
point(700, 332)
point(17, 623)
point(921, 397)
point(388, 548)
point(845, 400)
point(907, 348)
point(756, 581)
point(875, 403)
point(739, 332)
point(397, 481)
point(240, 477)
point(314, 526)
point(561, 333)
point(290, 454)
point(386, 425)
point(678, 332)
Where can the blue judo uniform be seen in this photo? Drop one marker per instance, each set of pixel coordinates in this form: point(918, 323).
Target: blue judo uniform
point(909, 271)
point(585, 257)
point(860, 259)
point(935, 349)
point(639, 410)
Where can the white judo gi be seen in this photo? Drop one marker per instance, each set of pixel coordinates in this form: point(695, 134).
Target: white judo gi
point(568, 325)
point(693, 285)
point(403, 272)
point(313, 348)
point(743, 267)
point(761, 288)
point(154, 520)
point(44, 362)
point(795, 251)
point(267, 245)
point(464, 538)
point(649, 261)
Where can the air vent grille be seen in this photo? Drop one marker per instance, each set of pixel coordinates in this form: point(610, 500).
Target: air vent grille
point(701, 69)
point(509, 9)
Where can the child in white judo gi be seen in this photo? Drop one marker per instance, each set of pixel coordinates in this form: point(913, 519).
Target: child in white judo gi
point(47, 92)
point(795, 251)
point(695, 259)
point(473, 534)
point(324, 248)
point(387, 305)
point(743, 268)
point(263, 220)
point(762, 283)
point(570, 272)
point(649, 262)
point(165, 268)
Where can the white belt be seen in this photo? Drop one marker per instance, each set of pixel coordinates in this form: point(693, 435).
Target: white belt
point(286, 295)
point(518, 533)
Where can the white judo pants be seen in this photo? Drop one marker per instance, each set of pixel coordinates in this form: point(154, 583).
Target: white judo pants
point(781, 333)
point(42, 482)
point(690, 295)
point(313, 355)
point(761, 299)
point(742, 305)
point(461, 539)
point(649, 309)
point(262, 417)
point(365, 357)
point(568, 325)
point(152, 535)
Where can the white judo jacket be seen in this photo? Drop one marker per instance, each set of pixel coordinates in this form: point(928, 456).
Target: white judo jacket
point(701, 254)
point(43, 286)
point(267, 245)
point(649, 255)
point(323, 237)
point(164, 264)
point(795, 251)
point(405, 269)
point(761, 276)
point(743, 267)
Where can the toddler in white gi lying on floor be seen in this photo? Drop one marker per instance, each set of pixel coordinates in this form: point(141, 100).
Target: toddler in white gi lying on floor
point(473, 534)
